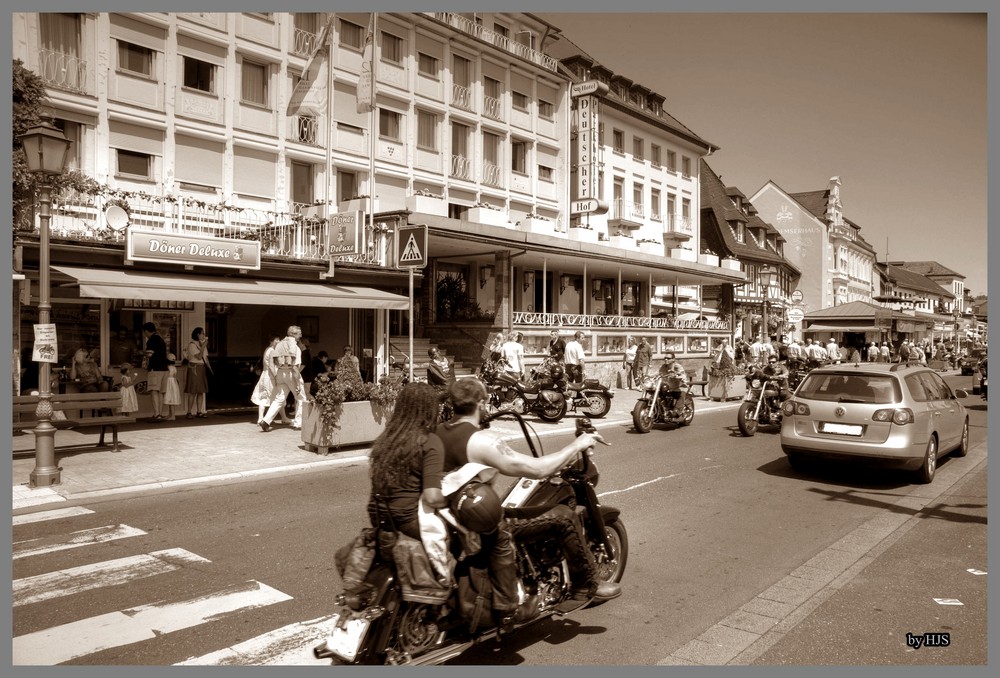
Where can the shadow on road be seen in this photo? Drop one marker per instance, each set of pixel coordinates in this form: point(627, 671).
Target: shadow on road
point(858, 475)
point(506, 652)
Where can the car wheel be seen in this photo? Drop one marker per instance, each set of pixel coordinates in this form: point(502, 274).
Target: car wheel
point(963, 446)
point(795, 460)
point(929, 466)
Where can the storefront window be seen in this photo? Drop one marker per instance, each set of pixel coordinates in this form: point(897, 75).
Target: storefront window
point(697, 344)
point(671, 343)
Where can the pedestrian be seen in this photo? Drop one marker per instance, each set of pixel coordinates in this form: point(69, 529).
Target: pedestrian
point(873, 354)
point(628, 362)
point(130, 401)
point(643, 359)
point(172, 390)
point(287, 359)
point(439, 372)
point(575, 358)
point(833, 351)
point(320, 364)
point(903, 354)
point(196, 384)
point(557, 346)
point(885, 353)
point(513, 355)
point(86, 374)
point(264, 389)
point(122, 348)
point(156, 368)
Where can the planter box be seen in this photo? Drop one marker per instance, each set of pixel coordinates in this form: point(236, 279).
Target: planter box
point(683, 254)
point(726, 388)
point(622, 242)
point(359, 423)
point(708, 259)
point(484, 215)
point(427, 205)
point(655, 248)
point(583, 234)
point(731, 264)
point(356, 205)
point(543, 226)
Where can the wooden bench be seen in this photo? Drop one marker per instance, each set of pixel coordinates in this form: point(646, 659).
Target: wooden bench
point(81, 410)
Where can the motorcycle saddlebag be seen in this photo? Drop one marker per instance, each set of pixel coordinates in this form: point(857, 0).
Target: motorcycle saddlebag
point(417, 578)
point(475, 596)
point(354, 559)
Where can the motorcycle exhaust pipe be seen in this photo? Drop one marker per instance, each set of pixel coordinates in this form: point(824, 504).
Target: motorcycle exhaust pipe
point(440, 656)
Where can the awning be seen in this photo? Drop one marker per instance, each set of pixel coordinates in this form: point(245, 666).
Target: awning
point(109, 284)
point(844, 328)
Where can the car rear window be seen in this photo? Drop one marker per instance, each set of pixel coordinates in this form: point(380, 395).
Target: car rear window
point(858, 388)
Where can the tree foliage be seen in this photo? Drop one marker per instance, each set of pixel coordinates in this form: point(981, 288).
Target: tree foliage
point(29, 106)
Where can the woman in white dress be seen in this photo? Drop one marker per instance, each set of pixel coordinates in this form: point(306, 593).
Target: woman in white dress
point(263, 391)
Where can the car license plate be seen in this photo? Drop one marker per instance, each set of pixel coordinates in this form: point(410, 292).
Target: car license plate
point(841, 429)
point(345, 639)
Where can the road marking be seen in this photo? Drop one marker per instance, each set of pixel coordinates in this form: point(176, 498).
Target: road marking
point(948, 601)
point(97, 535)
point(654, 480)
point(976, 572)
point(98, 575)
point(288, 646)
point(115, 629)
point(54, 514)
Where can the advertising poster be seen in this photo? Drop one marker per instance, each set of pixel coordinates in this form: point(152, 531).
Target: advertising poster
point(45, 349)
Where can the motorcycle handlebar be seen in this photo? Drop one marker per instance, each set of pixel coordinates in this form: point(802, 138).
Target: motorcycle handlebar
point(485, 423)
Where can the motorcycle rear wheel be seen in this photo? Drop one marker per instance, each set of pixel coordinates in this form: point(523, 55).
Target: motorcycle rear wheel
point(746, 419)
point(641, 417)
point(598, 405)
point(552, 411)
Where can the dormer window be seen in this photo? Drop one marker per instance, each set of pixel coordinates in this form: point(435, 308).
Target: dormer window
point(737, 229)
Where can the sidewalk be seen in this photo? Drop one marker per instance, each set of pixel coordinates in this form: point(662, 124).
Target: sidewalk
point(226, 446)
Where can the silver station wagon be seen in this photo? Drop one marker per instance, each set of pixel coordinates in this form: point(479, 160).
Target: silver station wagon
point(895, 414)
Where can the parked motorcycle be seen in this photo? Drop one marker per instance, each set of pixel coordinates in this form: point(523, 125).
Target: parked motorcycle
point(663, 401)
point(375, 625)
point(508, 393)
point(761, 405)
point(589, 397)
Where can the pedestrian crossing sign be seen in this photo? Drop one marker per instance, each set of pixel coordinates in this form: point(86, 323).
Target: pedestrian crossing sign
point(411, 246)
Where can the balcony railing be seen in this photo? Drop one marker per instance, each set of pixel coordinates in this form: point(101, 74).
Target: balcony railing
point(492, 175)
point(502, 41)
point(305, 129)
point(627, 210)
point(461, 97)
point(678, 226)
point(63, 70)
point(282, 235)
point(461, 167)
point(304, 42)
point(492, 108)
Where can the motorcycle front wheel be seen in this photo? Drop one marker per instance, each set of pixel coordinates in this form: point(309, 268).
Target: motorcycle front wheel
point(687, 410)
point(553, 411)
point(746, 419)
point(598, 405)
point(611, 566)
point(642, 417)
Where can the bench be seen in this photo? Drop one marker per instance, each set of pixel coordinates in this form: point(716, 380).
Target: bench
point(81, 410)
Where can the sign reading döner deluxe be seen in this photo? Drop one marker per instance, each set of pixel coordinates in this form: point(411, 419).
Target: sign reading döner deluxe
point(192, 250)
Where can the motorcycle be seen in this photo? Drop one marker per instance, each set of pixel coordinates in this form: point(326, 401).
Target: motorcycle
point(798, 368)
point(761, 405)
point(589, 397)
point(375, 625)
point(508, 393)
point(663, 401)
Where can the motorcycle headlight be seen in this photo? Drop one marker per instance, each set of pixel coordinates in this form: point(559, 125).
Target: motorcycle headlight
point(755, 383)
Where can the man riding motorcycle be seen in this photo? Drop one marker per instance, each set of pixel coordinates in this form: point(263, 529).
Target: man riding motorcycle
point(778, 372)
point(672, 368)
point(465, 442)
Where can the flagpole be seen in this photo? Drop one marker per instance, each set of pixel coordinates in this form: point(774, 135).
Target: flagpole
point(328, 128)
point(372, 133)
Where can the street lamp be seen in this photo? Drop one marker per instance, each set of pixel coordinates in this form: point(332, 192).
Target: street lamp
point(45, 150)
point(767, 278)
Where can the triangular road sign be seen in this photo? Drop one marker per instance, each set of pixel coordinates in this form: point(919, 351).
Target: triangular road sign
point(411, 247)
point(411, 252)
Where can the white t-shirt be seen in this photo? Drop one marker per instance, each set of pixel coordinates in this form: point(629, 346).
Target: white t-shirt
point(574, 353)
point(513, 354)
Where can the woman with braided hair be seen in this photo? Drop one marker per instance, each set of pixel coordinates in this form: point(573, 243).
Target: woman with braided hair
point(407, 459)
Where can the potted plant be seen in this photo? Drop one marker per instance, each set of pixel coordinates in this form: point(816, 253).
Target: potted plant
point(683, 254)
point(485, 213)
point(708, 257)
point(650, 246)
point(731, 262)
point(725, 379)
point(345, 410)
point(582, 232)
point(622, 240)
point(536, 223)
point(426, 202)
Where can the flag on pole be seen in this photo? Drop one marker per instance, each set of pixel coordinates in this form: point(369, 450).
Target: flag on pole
point(310, 94)
point(366, 81)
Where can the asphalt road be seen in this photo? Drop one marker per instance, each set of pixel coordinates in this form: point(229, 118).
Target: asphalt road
point(713, 519)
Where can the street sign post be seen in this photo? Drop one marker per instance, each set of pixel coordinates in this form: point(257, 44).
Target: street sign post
point(411, 253)
point(795, 315)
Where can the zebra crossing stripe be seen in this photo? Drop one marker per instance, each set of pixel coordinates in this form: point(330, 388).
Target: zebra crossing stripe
point(288, 646)
point(98, 575)
point(97, 535)
point(115, 629)
point(54, 514)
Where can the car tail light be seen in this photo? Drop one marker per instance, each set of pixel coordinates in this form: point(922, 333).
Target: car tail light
point(790, 407)
point(903, 415)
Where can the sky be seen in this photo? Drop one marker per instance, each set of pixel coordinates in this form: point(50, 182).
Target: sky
point(895, 104)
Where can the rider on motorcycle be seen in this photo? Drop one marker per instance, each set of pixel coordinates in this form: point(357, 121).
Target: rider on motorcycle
point(464, 442)
point(778, 372)
point(676, 374)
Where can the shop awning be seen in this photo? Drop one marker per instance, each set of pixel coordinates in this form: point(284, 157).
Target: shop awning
point(109, 284)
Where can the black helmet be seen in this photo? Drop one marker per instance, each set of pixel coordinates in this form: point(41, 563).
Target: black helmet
point(477, 507)
point(557, 372)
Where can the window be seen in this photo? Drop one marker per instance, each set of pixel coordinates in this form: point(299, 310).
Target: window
point(427, 130)
point(654, 203)
point(637, 148)
point(637, 190)
point(738, 230)
point(519, 156)
point(671, 161)
point(546, 173)
point(347, 185)
point(135, 59)
point(351, 35)
point(686, 211)
point(199, 75)
point(461, 71)
point(654, 155)
point(392, 48)
point(388, 124)
point(253, 84)
point(427, 65)
point(501, 30)
point(671, 209)
point(134, 164)
point(519, 100)
point(491, 148)
point(618, 140)
point(459, 140)
point(546, 109)
point(492, 87)
point(686, 166)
